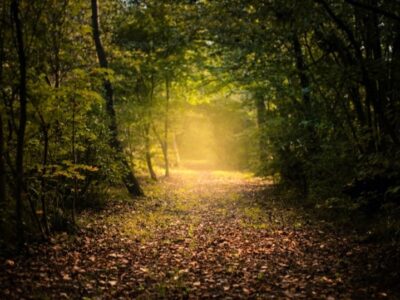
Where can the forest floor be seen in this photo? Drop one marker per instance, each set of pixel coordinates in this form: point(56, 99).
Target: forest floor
point(202, 234)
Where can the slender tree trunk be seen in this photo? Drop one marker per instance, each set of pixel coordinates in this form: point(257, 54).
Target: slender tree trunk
point(162, 144)
point(356, 100)
point(20, 188)
point(129, 178)
point(395, 79)
point(312, 145)
point(261, 122)
point(75, 161)
point(148, 153)
point(381, 82)
point(301, 69)
point(19, 164)
point(176, 150)
point(45, 130)
point(372, 91)
point(149, 163)
point(166, 126)
point(3, 193)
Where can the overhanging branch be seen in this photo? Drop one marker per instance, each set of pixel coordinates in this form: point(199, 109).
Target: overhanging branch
point(374, 9)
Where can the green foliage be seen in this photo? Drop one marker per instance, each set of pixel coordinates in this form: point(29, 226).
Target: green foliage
point(328, 119)
point(68, 162)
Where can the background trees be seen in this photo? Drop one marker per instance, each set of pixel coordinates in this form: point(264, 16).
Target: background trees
point(56, 153)
point(323, 67)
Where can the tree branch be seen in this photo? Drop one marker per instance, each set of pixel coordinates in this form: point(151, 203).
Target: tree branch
point(374, 9)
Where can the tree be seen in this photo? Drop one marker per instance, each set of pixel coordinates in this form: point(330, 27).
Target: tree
point(19, 163)
point(129, 178)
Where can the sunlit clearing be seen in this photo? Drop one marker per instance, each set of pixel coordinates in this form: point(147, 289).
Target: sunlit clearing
point(210, 139)
point(197, 143)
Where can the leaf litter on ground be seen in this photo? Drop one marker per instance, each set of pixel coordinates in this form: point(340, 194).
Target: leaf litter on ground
point(202, 234)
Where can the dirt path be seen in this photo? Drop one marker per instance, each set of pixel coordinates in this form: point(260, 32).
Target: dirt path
point(198, 234)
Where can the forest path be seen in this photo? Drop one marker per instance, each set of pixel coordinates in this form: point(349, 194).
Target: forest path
point(199, 234)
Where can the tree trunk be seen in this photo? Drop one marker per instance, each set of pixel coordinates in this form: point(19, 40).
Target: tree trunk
point(162, 145)
point(176, 150)
point(382, 83)
point(43, 178)
point(19, 163)
point(312, 143)
point(356, 100)
point(75, 161)
point(129, 178)
point(261, 123)
point(149, 163)
point(148, 153)
point(166, 127)
point(3, 193)
point(372, 91)
point(395, 79)
point(301, 70)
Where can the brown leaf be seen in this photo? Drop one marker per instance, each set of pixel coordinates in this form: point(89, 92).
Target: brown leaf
point(9, 263)
point(112, 282)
